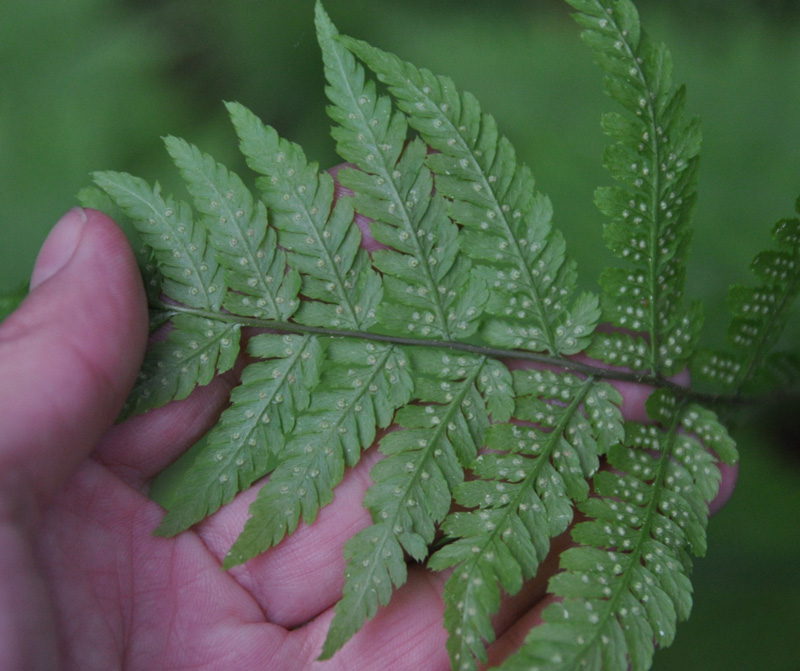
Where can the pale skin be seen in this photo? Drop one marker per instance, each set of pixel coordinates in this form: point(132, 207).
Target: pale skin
point(84, 586)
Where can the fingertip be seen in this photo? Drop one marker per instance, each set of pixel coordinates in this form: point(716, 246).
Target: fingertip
point(86, 282)
point(59, 246)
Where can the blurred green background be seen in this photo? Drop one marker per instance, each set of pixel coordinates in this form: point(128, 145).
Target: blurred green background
point(94, 84)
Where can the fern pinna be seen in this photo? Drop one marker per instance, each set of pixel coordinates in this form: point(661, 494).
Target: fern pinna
point(440, 333)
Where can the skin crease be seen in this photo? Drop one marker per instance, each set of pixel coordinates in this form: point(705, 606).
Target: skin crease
point(84, 586)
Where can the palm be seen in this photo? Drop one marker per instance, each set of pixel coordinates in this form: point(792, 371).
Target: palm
point(127, 599)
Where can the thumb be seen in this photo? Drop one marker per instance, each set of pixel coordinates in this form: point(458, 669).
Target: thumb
point(68, 357)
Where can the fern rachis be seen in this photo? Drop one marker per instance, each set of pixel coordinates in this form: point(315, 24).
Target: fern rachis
point(421, 333)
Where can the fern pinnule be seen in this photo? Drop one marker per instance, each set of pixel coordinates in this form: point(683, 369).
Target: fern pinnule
point(251, 434)
point(188, 264)
point(654, 157)
point(193, 352)
point(413, 483)
point(422, 273)
point(506, 225)
point(197, 347)
point(95, 198)
point(255, 269)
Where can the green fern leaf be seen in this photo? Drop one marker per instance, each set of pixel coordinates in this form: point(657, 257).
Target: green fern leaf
point(412, 486)
point(251, 433)
point(237, 228)
point(626, 586)
point(324, 246)
point(194, 351)
point(758, 318)
point(197, 347)
point(418, 338)
point(524, 495)
point(191, 273)
point(422, 271)
point(94, 198)
point(506, 225)
point(361, 386)
point(654, 157)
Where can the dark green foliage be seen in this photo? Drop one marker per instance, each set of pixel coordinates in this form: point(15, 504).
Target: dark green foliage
point(759, 315)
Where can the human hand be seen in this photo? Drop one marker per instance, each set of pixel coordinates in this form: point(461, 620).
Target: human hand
point(83, 583)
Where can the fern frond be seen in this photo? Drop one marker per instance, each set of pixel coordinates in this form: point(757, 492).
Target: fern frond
point(362, 385)
point(323, 243)
point(626, 586)
point(413, 484)
point(654, 157)
point(415, 338)
point(758, 317)
point(506, 224)
point(524, 495)
point(246, 443)
point(423, 277)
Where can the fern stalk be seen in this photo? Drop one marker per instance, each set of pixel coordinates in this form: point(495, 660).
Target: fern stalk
point(599, 372)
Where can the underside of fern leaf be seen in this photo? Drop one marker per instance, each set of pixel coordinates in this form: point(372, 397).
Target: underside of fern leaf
point(625, 585)
point(428, 347)
point(654, 159)
point(505, 224)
